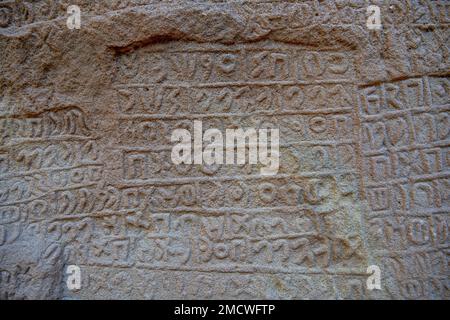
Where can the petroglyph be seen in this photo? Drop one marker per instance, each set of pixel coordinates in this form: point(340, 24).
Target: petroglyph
point(87, 179)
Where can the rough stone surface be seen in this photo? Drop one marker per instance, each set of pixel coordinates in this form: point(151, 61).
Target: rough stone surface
point(86, 177)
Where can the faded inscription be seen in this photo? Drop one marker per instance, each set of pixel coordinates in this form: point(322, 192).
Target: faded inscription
point(87, 180)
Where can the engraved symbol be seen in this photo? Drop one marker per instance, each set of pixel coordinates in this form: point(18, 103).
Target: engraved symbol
point(74, 279)
point(5, 17)
point(374, 18)
point(74, 19)
point(374, 280)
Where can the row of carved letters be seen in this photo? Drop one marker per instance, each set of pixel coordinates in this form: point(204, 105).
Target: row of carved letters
point(251, 194)
point(230, 66)
point(245, 97)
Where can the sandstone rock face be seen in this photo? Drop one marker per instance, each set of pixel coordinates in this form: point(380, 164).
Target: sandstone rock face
point(87, 179)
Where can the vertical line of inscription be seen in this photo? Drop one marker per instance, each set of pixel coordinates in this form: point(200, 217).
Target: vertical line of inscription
point(405, 131)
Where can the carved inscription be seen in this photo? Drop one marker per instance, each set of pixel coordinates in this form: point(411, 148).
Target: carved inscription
point(87, 178)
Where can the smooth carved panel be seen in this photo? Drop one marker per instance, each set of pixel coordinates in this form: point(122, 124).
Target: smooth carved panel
point(87, 178)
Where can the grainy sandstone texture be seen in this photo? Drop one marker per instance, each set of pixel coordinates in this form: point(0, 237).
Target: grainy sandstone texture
point(86, 177)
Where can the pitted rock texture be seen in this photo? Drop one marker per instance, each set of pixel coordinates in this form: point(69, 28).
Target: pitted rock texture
point(86, 177)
